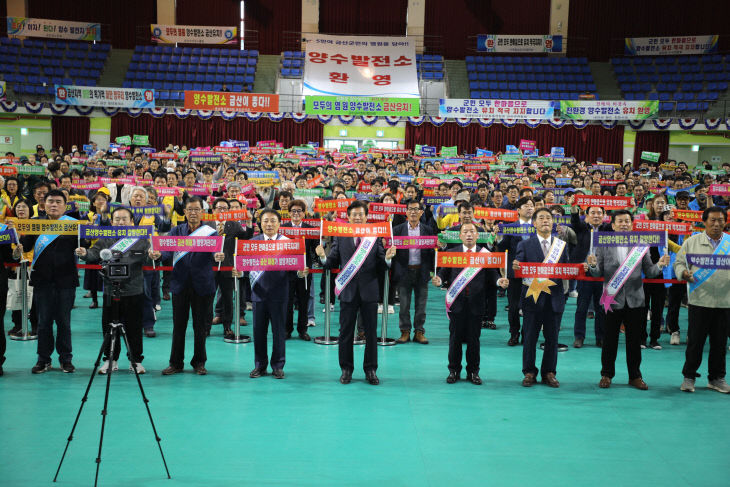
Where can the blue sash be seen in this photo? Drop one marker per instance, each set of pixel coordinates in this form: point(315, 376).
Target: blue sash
point(723, 248)
point(44, 241)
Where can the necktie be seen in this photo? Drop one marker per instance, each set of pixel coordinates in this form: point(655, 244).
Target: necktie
point(545, 248)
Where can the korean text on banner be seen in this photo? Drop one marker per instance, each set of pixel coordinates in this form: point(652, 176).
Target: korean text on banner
point(104, 97)
point(231, 102)
point(54, 29)
point(521, 109)
point(519, 43)
point(608, 109)
point(362, 105)
point(193, 34)
point(360, 65)
point(670, 46)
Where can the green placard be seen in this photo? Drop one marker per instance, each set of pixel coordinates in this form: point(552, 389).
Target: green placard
point(141, 140)
point(32, 170)
point(348, 149)
point(650, 156)
point(449, 151)
point(124, 140)
point(362, 105)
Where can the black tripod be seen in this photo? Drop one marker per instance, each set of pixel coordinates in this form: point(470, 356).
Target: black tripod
point(111, 338)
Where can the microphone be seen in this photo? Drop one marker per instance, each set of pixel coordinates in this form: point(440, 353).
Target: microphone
point(105, 254)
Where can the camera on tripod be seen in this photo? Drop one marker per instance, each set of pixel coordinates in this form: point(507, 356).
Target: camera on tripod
point(112, 267)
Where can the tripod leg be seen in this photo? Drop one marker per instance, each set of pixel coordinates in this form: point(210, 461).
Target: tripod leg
point(106, 340)
point(146, 401)
point(112, 347)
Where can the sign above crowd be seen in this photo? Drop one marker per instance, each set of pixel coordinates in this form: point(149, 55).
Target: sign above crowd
point(471, 108)
point(670, 46)
point(193, 34)
point(104, 97)
point(360, 65)
point(362, 105)
point(608, 109)
point(231, 102)
point(519, 43)
point(54, 29)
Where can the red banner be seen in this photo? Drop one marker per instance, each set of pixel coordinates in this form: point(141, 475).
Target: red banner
point(550, 271)
point(232, 102)
point(485, 260)
point(355, 230)
point(687, 215)
point(270, 247)
point(325, 206)
point(606, 202)
point(495, 214)
point(673, 228)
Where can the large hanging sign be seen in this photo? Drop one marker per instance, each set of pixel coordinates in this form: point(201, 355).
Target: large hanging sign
point(360, 65)
point(670, 46)
point(470, 108)
point(55, 29)
point(608, 109)
point(361, 105)
point(234, 102)
point(193, 34)
point(531, 43)
point(104, 97)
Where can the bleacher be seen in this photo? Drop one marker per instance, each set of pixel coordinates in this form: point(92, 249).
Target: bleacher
point(529, 77)
point(172, 70)
point(34, 66)
point(690, 82)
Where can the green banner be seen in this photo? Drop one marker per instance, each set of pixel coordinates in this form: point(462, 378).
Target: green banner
point(31, 170)
point(650, 156)
point(141, 140)
point(362, 105)
point(449, 151)
point(124, 140)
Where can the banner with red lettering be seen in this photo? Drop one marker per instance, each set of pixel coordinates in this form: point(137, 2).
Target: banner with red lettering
point(335, 229)
point(606, 202)
point(484, 260)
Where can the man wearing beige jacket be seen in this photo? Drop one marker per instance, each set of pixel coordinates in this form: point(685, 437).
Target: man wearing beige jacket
point(704, 262)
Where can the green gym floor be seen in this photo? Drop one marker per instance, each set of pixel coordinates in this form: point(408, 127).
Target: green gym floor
point(413, 429)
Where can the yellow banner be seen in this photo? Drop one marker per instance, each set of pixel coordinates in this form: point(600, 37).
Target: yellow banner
point(46, 227)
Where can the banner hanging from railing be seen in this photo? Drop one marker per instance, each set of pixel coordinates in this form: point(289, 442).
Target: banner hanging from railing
point(360, 65)
point(193, 34)
point(54, 29)
point(519, 43)
point(670, 46)
point(104, 97)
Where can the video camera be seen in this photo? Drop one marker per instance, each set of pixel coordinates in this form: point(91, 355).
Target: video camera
point(111, 266)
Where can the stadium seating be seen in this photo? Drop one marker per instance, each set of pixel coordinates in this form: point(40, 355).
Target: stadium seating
point(34, 66)
point(172, 70)
point(529, 77)
point(684, 83)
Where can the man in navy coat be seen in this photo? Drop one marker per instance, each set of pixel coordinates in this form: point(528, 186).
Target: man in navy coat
point(270, 296)
point(549, 307)
point(193, 288)
point(360, 295)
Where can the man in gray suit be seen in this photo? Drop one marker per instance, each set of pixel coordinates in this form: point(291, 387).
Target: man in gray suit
point(628, 302)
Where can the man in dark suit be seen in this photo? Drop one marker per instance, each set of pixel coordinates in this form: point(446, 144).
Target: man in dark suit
point(465, 315)
point(360, 295)
point(270, 295)
point(525, 209)
point(548, 307)
point(412, 271)
point(193, 288)
point(299, 289)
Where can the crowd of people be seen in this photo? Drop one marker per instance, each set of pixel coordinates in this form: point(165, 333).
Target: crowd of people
point(448, 198)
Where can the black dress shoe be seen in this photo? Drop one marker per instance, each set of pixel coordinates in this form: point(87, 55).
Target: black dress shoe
point(278, 373)
point(474, 379)
point(305, 336)
point(372, 378)
point(257, 373)
point(453, 377)
point(513, 340)
point(346, 377)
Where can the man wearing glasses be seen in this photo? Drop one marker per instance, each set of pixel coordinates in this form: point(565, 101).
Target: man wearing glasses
point(413, 268)
point(193, 287)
